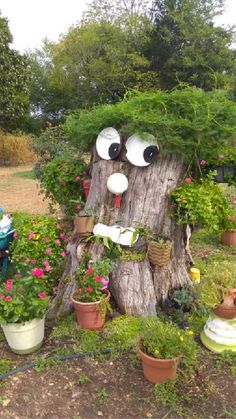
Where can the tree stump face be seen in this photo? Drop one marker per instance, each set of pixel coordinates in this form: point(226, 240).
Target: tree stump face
point(137, 286)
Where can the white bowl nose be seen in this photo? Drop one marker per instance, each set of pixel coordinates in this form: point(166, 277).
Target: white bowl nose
point(117, 183)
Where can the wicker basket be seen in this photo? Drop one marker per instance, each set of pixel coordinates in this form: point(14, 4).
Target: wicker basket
point(159, 254)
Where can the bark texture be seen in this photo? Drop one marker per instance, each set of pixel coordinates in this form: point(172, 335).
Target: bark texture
point(138, 287)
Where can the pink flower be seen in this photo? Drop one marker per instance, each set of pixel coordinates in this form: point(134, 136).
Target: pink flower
point(46, 239)
point(31, 235)
point(45, 263)
point(78, 207)
point(1, 295)
point(57, 242)
point(188, 180)
point(8, 298)
point(37, 272)
point(233, 200)
point(48, 268)
point(42, 295)
point(63, 254)
point(77, 178)
point(90, 271)
point(33, 261)
point(27, 260)
point(8, 285)
point(62, 236)
point(97, 279)
point(105, 283)
point(18, 275)
point(202, 162)
point(15, 235)
point(48, 251)
point(89, 289)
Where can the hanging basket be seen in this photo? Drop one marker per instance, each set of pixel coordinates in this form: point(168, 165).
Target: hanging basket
point(159, 253)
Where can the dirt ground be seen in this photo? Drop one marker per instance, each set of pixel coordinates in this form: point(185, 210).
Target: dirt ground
point(92, 388)
point(88, 388)
point(20, 194)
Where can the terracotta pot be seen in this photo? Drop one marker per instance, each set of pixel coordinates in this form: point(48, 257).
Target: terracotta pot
point(158, 370)
point(84, 224)
point(229, 238)
point(86, 187)
point(227, 309)
point(88, 315)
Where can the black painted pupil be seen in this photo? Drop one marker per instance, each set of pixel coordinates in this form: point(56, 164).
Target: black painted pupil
point(114, 150)
point(150, 153)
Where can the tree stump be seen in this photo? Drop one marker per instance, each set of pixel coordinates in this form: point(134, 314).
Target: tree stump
point(137, 286)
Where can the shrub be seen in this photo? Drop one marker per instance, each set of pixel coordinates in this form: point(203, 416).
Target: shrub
point(15, 149)
point(200, 203)
point(61, 182)
point(39, 243)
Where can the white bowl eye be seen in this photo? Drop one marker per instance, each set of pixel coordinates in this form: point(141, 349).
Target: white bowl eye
point(108, 144)
point(141, 152)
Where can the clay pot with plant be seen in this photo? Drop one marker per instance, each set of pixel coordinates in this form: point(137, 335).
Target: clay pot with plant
point(217, 290)
point(161, 347)
point(91, 298)
point(84, 222)
point(228, 236)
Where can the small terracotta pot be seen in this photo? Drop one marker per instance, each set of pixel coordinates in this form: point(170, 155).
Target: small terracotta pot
point(84, 224)
point(88, 315)
point(158, 370)
point(227, 309)
point(229, 238)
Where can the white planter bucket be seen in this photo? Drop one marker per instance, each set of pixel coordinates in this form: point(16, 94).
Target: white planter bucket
point(24, 338)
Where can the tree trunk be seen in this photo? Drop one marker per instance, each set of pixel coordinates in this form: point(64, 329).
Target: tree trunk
point(137, 287)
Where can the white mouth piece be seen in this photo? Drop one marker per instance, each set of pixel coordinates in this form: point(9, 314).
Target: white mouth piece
point(126, 236)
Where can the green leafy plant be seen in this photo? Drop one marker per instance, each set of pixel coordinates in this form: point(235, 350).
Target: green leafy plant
point(23, 298)
point(92, 279)
point(82, 379)
point(164, 340)
point(190, 122)
point(200, 203)
point(61, 182)
point(39, 241)
point(216, 283)
point(229, 223)
point(227, 358)
point(5, 365)
point(226, 155)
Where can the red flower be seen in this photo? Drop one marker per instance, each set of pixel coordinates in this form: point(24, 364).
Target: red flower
point(8, 298)
point(188, 180)
point(42, 295)
point(37, 272)
point(90, 271)
point(98, 278)
point(89, 289)
point(8, 285)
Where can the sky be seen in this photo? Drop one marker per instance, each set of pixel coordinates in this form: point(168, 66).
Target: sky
point(31, 21)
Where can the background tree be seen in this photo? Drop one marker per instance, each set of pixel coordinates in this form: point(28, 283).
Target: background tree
point(93, 63)
point(186, 46)
point(14, 82)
